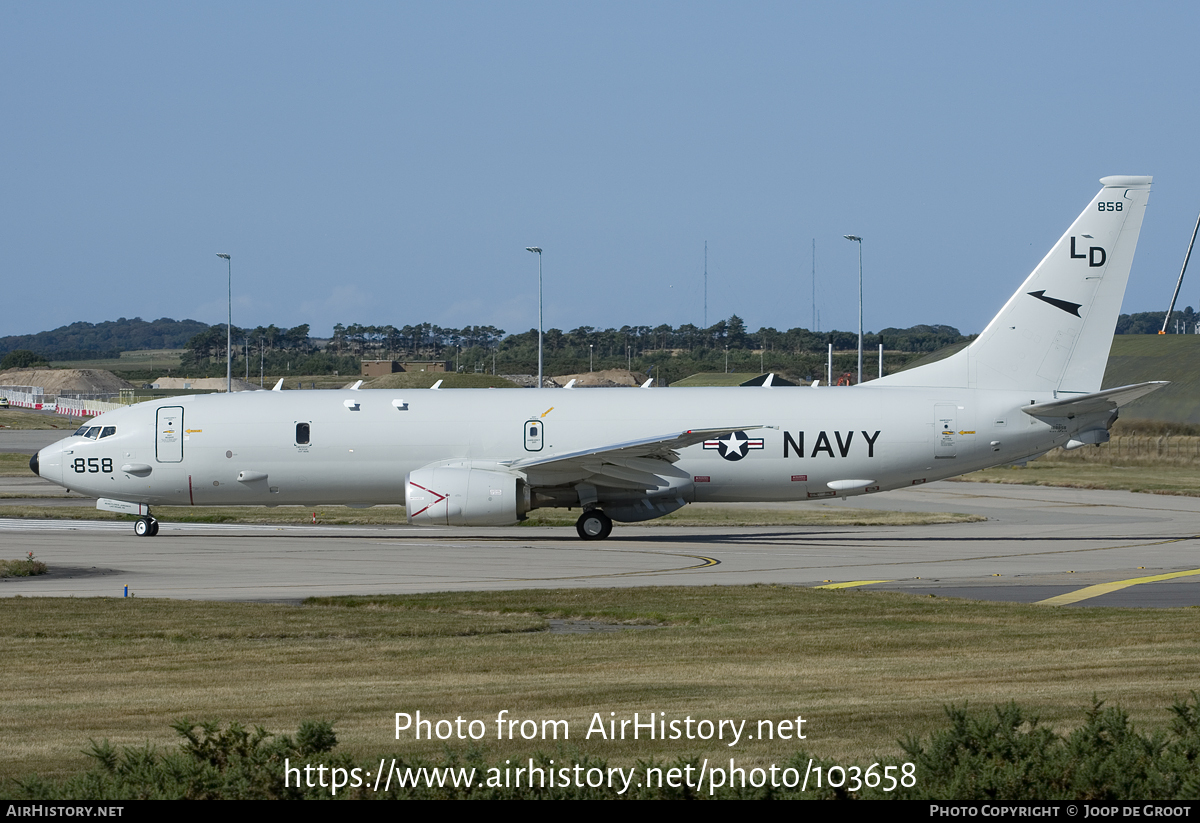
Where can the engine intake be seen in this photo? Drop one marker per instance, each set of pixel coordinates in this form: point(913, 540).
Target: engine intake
point(465, 496)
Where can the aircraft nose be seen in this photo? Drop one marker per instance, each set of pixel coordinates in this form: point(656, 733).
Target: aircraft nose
point(33, 464)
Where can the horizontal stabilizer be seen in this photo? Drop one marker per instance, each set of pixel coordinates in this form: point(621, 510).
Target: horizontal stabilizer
point(1094, 403)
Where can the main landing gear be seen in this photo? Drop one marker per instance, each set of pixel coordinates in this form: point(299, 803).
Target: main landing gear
point(593, 524)
point(145, 526)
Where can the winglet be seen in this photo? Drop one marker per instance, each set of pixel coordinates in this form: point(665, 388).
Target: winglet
point(278, 386)
point(570, 384)
point(648, 383)
point(436, 385)
point(356, 386)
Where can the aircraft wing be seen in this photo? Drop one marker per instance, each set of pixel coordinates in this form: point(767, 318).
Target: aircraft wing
point(1093, 403)
point(645, 463)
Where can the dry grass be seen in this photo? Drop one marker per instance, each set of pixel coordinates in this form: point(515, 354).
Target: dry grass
point(129, 360)
point(450, 380)
point(1154, 464)
point(15, 465)
point(1155, 480)
point(1143, 456)
point(26, 567)
point(863, 668)
point(26, 420)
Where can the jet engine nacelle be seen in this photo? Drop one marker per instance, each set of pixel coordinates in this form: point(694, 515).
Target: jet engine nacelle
point(465, 496)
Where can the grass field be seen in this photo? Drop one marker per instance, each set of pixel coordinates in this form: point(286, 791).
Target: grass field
point(1136, 358)
point(129, 361)
point(1161, 480)
point(26, 420)
point(864, 669)
point(14, 465)
point(1149, 461)
point(716, 379)
point(451, 380)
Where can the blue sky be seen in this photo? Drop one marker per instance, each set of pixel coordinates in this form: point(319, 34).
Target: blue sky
point(389, 163)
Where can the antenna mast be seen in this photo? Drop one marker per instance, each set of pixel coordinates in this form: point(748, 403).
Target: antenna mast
point(1179, 282)
point(706, 284)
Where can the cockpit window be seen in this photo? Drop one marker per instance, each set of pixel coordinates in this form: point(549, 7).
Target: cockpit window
point(93, 433)
point(81, 431)
point(108, 431)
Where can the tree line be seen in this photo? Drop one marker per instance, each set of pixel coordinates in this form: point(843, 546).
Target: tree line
point(663, 350)
point(94, 341)
point(1149, 322)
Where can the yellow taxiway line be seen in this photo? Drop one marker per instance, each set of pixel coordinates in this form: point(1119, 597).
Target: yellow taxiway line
point(851, 584)
point(1104, 588)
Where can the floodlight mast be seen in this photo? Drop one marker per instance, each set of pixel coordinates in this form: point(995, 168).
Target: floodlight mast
point(229, 327)
point(1179, 282)
point(856, 239)
point(536, 250)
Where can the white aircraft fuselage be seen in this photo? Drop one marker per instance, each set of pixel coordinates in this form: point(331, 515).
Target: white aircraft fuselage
point(1029, 383)
point(802, 440)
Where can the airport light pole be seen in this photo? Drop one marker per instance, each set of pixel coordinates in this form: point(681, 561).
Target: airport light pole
point(229, 328)
point(538, 252)
point(858, 240)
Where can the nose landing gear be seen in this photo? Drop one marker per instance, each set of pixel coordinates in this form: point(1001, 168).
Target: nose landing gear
point(594, 524)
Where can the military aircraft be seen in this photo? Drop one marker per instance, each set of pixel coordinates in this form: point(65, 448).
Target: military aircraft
point(485, 457)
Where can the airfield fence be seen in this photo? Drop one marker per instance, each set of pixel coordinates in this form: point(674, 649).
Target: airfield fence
point(78, 407)
point(73, 405)
point(1134, 450)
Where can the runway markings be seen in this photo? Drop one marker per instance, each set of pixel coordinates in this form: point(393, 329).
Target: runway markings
point(851, 584)
point(1104, 588)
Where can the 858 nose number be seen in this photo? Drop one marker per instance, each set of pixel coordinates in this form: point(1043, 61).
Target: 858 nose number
point(93, 465)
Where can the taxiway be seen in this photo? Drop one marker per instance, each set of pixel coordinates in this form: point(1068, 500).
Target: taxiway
point(1063, 547)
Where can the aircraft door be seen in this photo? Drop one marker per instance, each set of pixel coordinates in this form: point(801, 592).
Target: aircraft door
point(168, 443)
point(945, 421)
point(534, 435)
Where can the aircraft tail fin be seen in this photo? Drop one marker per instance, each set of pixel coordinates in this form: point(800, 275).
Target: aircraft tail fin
point(1055, 332)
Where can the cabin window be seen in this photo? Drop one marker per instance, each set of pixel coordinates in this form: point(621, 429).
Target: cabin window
point(302, 434)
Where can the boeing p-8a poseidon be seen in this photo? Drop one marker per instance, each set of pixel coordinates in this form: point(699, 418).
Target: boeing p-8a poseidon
point(1029, 383)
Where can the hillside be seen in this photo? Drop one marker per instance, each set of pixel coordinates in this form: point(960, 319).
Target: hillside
point(55, 381)
point(1136, 358)
point(108, 339)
